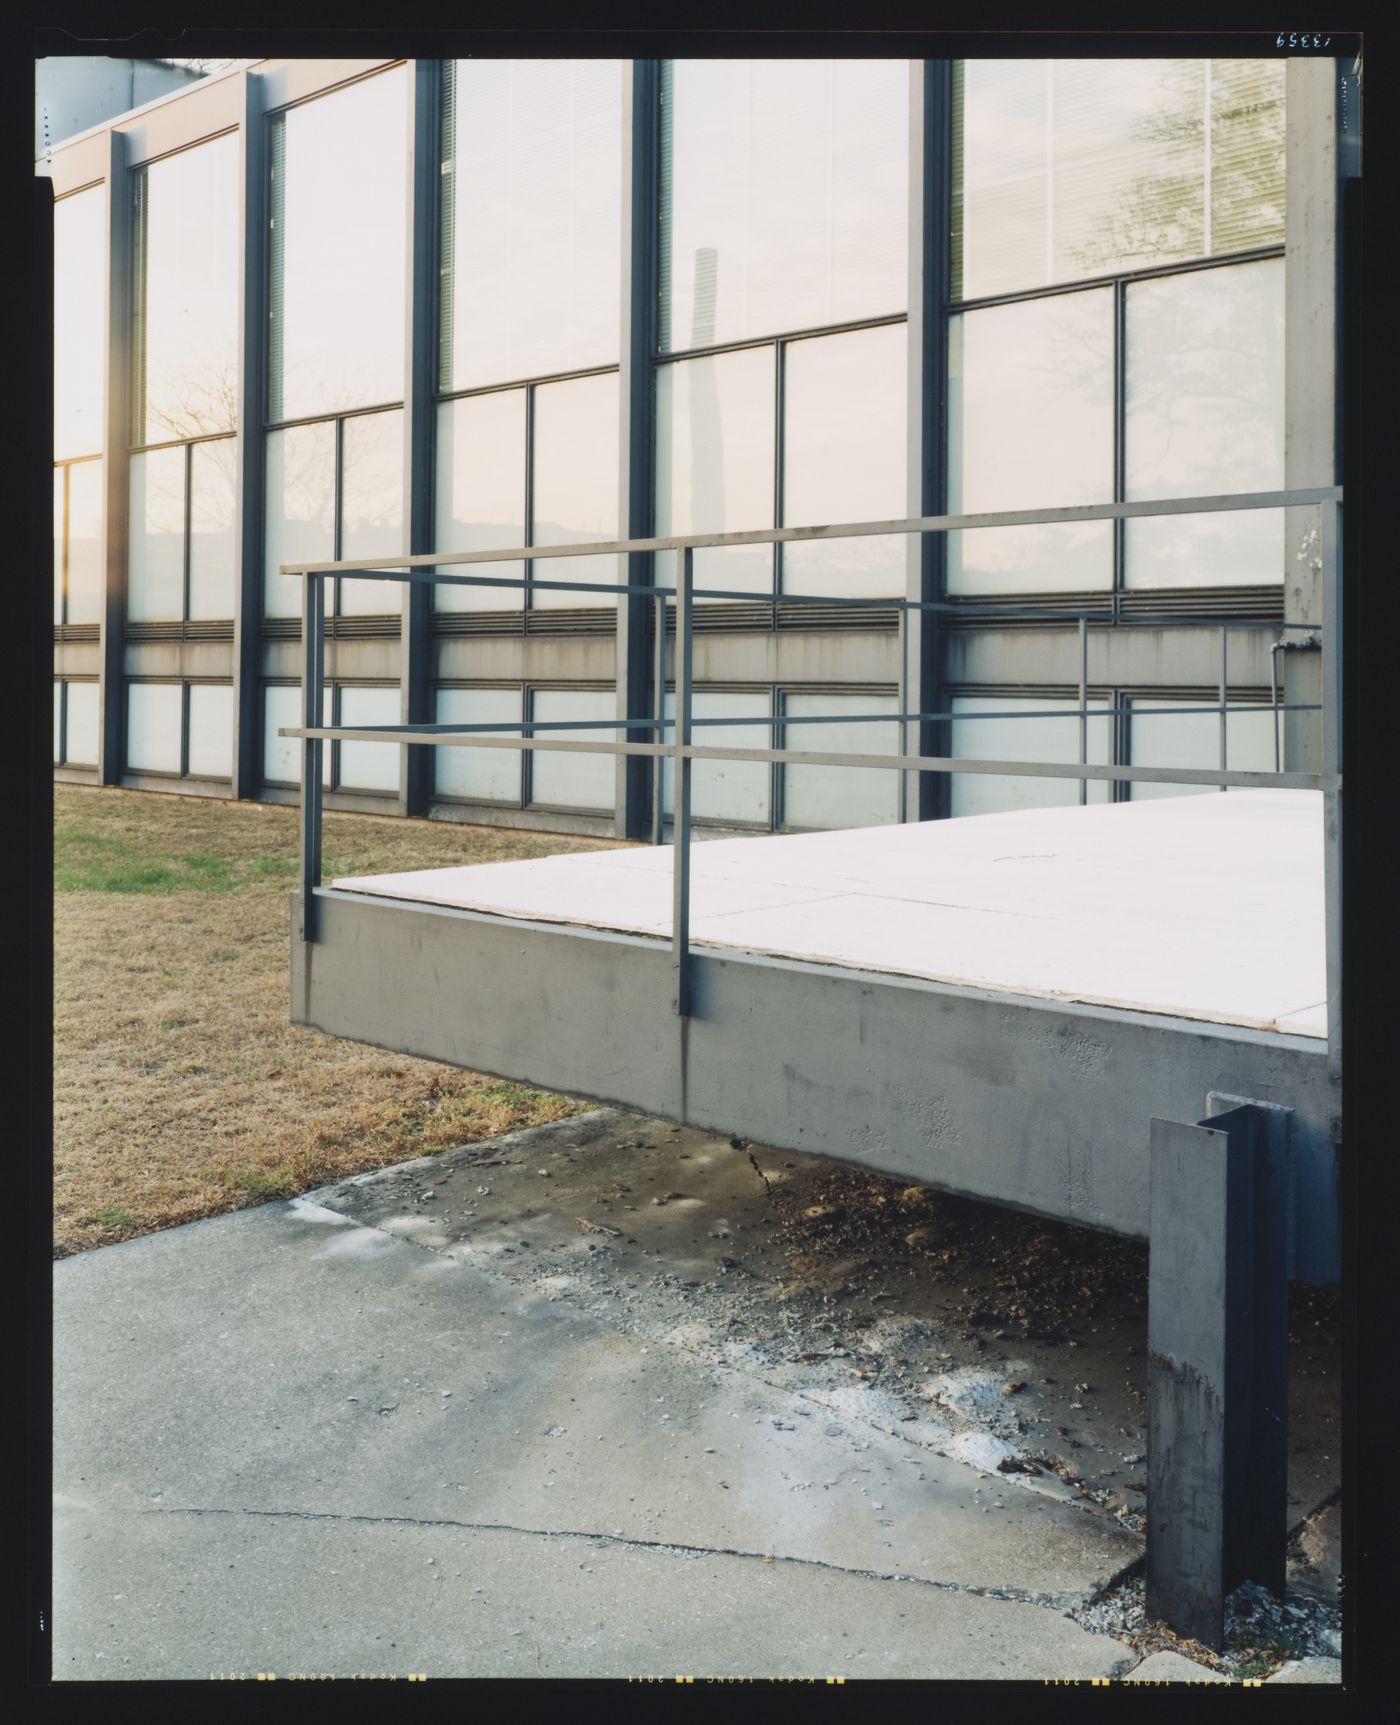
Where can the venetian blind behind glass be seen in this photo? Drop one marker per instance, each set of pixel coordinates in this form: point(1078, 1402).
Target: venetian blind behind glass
point(784, 196)
point(532, 212)
point(1068, 169)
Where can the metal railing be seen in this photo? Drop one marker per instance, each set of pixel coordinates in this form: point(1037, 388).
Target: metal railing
point(1323, 543)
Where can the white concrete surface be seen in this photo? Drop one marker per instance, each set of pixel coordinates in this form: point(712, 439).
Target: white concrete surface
point(1206, 907)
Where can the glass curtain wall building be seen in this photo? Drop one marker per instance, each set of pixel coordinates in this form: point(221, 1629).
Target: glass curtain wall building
point(330, 309)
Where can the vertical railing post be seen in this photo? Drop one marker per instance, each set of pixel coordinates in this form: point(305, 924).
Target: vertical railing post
point(1083, 704)
point(680, 832)
point(1224, 696)
point(658, 778)
point(313, 625)
point(1331, 657)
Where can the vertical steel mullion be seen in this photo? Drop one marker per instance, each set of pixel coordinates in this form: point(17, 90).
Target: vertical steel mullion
point(641, 137)
point(680, 872)
point(313, 619)
point(250, 447)
point(527, 594)
point(779, 570)
point(1331, 666)
point(67, 472)
point(1120, 440)
point(928, 795)
point(1083, 705)
point(658, 803)
point(184, 729)
point(116, 451)
point(1273, 703)
point(339, 507)
point(425, 195)
point(189, 514)
point(1224, 695)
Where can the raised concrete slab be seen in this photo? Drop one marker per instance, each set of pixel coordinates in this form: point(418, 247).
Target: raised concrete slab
point(1172, 905)
point(1309, 1671)
point(1173, 1668)
point(288, 1441)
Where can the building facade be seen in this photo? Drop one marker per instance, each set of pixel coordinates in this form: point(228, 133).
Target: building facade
point(319, 309)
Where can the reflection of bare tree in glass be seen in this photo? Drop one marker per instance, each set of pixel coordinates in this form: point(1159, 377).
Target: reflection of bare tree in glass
point(198, 402)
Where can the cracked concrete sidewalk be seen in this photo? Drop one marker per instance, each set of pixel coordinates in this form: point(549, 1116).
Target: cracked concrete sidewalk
point(424, 1423)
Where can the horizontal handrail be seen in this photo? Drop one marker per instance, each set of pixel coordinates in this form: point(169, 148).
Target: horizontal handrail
point(1298, 497)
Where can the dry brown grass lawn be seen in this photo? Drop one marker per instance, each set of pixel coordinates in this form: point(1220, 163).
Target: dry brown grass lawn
point(180, 1088)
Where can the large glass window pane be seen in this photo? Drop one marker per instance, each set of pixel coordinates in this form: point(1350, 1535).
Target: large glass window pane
point(1064, 169)
point(844, 441)
point(153, 727)
point(339, 168)
point(211, 730)
point(490, 775)
point(85, 510)
point(784, 196)
point(567, 780)
point(575, 483)
point(186, 293)
point(156, 571)
point(82, 724)
point(371, 503)
point(369, 766)
point(1024, 739)
point(213, 484)
point(822, 797)
point(282, 755)
point(300, 510)
point(59, 484)
point(726, 790)
point(1171, 738)
point(1030, 426)
point(532, 171)
point(1204, 417)
point(79, 301)
point(715, 450)
point(481, 494)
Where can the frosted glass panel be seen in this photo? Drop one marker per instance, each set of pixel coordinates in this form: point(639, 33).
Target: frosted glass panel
point(1024, 739)
point(533, 149)
point(493, 775)
point(845, 434)
point(371, 508)
point(784, 196)
point(1064, 169)
point(725, 790)
point(282, 755)
point(1205, 416)
point(189, 278)
point(840, 796)
point(153, 727)
point(85, 509)
point(211, 730)
point(575, 781)
point(156, 572)
point(1174, 739)
point(300, 507)
point(1030, 426)
point(370, 766)
point(481, 494)
point(575, 483)
point(338, 250)
point(715, 450)
point(82, 724)
point(213, 485)
point(79, 248)
point(58, 509)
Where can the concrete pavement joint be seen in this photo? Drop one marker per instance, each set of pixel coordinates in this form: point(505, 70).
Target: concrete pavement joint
point(1062, 1603)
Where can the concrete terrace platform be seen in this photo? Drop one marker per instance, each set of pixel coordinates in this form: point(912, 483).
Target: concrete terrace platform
point(1173, 905)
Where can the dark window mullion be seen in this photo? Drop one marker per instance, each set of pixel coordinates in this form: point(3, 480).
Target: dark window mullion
point(779, 462)
point(184, 730)
point(1120, 438)
point(527, 597)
